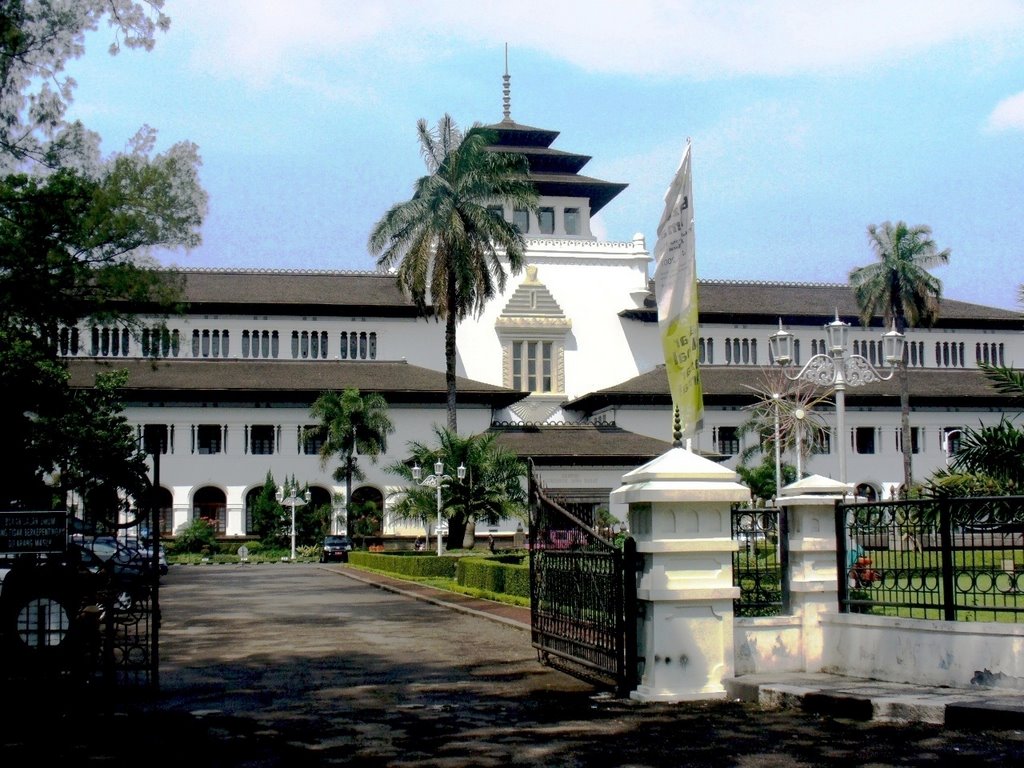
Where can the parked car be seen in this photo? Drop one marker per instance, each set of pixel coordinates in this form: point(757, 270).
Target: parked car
point(128, 557)
point(336, 548)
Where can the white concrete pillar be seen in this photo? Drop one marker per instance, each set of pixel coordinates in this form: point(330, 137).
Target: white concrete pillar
point(814, 573)
point(679, 513)
point(181, 497)
point(235, 523)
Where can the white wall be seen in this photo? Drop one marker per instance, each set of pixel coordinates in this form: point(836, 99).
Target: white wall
point(591, 282)
point(941, 653)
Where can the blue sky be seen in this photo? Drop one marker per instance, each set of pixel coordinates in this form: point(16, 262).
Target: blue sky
point(809, 121)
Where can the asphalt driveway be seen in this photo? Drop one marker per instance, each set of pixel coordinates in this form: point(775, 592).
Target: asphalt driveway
point(299, 665)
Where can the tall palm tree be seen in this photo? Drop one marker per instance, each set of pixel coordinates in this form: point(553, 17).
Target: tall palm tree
point(899, 287)
point(351, 423)
point(447, 243)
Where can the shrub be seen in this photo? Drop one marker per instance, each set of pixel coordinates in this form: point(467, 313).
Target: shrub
point(493, 575)
point(197, 536)
point(419, 565)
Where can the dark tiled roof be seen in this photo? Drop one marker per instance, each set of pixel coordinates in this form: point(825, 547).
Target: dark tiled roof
point(593, 444)
point(284, 381)
point(721, 301)
point(549, 160)
point(513, 134)
point(730, 385)
point(554, 173)
point(323, 294)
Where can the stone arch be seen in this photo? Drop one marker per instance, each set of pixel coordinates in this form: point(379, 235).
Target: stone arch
point(367, 511)
point(319, 515)
point(211, 503)
point(867, 491)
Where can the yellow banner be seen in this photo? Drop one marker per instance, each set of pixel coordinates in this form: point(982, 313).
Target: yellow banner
point(675, 285)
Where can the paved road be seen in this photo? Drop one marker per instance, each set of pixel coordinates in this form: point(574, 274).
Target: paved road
point(298, 665)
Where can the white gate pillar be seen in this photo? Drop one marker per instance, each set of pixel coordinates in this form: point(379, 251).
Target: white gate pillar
point(679, 514)
point(814, 572)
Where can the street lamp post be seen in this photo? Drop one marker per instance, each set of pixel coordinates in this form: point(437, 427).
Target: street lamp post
point(838, 370)
point(436, 480)
point(293, 500)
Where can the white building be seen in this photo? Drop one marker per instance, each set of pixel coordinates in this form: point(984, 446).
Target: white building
point(566, 364)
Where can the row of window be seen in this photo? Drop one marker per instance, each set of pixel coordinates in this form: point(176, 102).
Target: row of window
point(948, 354)
point(208, 439)
point(544, 223)
point(163, 342)
point(863, 440)
point(362, 345)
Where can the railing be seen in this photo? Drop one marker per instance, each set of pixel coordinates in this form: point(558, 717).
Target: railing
point(958, 559)
point(760, 565)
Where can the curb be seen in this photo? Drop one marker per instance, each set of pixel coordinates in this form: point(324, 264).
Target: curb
point(871, 700)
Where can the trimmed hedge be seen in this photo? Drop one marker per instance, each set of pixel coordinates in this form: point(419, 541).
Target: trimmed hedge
point(493, 575)
point(422, 566)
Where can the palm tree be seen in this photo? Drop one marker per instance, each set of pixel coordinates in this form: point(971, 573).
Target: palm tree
point(446, 241)
point(351, 423)
point(899, 287)
point(492, 489)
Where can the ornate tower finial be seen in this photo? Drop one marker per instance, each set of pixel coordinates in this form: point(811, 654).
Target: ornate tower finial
point(506, 90)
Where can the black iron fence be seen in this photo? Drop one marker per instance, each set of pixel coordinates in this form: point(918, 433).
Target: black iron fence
point(760, 566)
point(959, 559)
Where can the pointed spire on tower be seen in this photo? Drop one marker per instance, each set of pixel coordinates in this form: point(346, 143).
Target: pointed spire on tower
point(506, 91)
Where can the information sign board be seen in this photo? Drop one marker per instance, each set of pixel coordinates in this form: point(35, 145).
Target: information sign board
point(33, 532)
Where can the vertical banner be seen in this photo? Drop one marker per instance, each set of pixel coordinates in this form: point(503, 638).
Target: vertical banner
point(675, 286)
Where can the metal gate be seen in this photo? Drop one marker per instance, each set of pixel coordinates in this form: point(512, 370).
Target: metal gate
point(582, 596)
point(82, 609)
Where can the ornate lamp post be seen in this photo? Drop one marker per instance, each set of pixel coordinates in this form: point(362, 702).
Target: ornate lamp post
point(436, 480)
point(293, 500)
point(838, 369)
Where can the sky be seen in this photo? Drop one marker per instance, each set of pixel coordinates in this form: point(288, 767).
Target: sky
point(808, 120)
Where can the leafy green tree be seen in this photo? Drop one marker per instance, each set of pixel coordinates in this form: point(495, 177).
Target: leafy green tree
point(268, 516)
point(366, 520)
point(312, 523)
point(352, 424)
point(899, 287)
point(37, 39)
point(75, 233)
point(493, 488)
point(760, 479)
point(448, 245)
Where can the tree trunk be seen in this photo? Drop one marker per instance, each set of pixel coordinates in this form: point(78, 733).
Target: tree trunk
point(449, 353)
point(469, 538)
point(908, 445)
point(456, 531)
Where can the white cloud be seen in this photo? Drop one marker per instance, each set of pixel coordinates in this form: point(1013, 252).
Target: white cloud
point(1008, 114)
point(261, 40)
point(711, 39)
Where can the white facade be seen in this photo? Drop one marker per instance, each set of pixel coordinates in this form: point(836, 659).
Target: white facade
point(575, 329)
